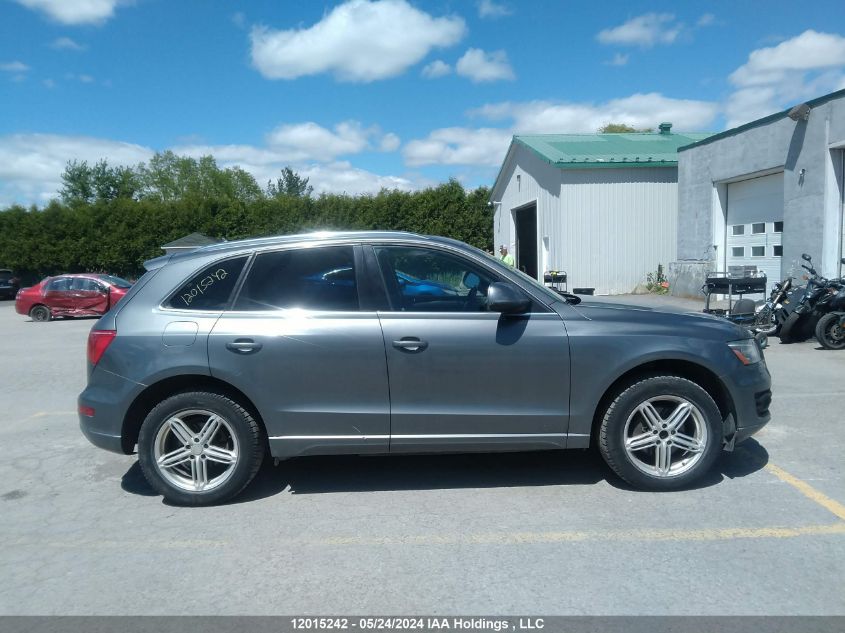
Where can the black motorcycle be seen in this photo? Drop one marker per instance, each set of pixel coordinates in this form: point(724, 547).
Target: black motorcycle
point(766, 315)
point(797, 317)
point(830, 329)
point(805, 307)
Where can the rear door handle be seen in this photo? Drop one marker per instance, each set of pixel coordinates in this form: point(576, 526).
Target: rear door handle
point(410, 344)
point(243, 346)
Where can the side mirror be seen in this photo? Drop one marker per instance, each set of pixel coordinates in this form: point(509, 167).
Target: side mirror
point(506, 298)
point(471, 280)
point(842, 260)
point(806, 257)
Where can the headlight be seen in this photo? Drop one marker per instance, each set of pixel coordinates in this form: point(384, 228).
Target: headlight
point(746, 350)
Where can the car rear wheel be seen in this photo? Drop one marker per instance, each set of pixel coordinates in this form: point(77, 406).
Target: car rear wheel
point(40, 314)
point(661, 433)
point(200, 448)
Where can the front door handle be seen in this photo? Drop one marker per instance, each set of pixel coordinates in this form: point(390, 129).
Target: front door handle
point(243, 346)
point(410, 344)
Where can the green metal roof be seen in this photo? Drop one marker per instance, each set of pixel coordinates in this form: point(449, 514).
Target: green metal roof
point(588, 151)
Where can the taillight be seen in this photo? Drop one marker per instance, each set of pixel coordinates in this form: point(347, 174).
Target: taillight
point(98, 342)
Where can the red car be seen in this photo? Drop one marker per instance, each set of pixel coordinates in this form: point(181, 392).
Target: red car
point(71, 296)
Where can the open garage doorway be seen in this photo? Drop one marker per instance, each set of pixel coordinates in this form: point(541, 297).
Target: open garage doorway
point(525, 220)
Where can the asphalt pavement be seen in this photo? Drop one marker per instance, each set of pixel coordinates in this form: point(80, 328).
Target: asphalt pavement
point(546, 533)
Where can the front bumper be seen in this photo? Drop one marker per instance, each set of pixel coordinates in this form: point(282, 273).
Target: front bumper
point(750, 391)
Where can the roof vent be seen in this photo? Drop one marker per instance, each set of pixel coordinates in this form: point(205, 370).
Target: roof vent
point(665, 128)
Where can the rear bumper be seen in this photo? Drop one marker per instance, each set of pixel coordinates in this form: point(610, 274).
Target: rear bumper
point(99, 439)
point(109, 396)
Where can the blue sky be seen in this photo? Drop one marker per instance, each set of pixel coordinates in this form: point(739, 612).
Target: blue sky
point(363, 94)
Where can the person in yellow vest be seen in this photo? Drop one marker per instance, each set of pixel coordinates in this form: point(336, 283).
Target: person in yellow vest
point(506, 257)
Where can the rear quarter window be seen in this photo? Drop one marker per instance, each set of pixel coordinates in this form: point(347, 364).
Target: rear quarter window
point(210, 288)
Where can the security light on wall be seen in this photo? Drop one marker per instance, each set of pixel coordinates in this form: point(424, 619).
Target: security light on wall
point(799, 112)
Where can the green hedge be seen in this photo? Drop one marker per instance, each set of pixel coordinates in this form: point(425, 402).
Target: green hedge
point(117, 235)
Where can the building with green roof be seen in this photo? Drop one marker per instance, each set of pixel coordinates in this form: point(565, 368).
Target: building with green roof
point(601, 207)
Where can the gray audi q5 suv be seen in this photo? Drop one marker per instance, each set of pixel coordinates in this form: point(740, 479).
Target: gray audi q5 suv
point(385, 342)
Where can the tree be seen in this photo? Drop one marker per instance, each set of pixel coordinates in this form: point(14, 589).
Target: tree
point(77, 183)
point(83, 184)
point(621, 128)
point(290, 184)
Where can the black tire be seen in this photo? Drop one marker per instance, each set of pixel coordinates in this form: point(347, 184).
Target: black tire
point(40, 314)
point(764, 322)
point(829, 333)
point(791, 330)
point(246, 431)
point(612, 431)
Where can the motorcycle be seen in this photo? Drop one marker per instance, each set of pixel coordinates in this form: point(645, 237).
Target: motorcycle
point(800, 314)
point(765, 316)
point(830, 329)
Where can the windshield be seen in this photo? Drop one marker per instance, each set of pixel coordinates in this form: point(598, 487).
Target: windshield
point(115, 281)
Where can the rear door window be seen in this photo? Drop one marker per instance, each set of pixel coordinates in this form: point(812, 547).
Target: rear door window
point(209, 289)
point(308, 278)
point(59, 284)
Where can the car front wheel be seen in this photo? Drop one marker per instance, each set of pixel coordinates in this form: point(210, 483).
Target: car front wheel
point(661, 433)
point(200, 448)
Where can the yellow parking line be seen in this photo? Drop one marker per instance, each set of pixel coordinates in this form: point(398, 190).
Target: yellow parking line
point(45, 414)
point(518, 538)
point(807, 490)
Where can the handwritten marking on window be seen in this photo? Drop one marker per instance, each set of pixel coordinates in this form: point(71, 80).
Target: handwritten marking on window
point(202, 285)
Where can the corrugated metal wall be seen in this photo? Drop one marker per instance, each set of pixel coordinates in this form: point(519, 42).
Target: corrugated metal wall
point(607, 228)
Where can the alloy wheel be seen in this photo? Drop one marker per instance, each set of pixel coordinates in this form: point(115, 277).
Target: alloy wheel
point(196, 450)
point(665, 436)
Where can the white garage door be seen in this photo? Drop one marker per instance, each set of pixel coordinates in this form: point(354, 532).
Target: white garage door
point(755, 224)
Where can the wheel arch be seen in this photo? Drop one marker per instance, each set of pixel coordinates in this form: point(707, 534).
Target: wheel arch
point(163, 389)
point(694, 372)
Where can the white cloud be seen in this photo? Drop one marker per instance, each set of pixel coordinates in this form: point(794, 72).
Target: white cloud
point(805, 66)
point(342, 177)
point(619, 59)
point(49, 83)
point(265, 164)
point(458, 146)
point(310, 141)
point(389, 142)
point(239, 19)
point(437, 68)
point(66, 44)
point(707, 19)
point(31, 164)
point(809, 51)
point(86, 79)
point(75, 11)
point(486, 146)
point(359, 41)
point(492, 9)
point(13, 67)
point(638, 110)
point(644, 30)
point(480, 66)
